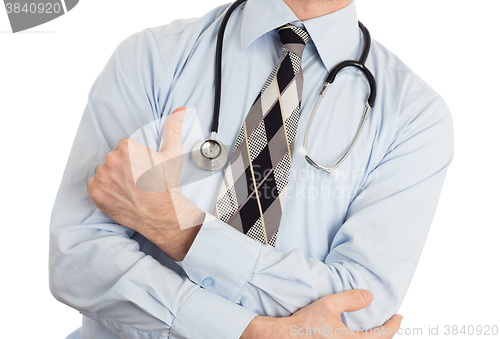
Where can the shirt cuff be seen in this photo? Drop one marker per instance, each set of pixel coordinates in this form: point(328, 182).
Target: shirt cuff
point(209, 316)
point(221, 259)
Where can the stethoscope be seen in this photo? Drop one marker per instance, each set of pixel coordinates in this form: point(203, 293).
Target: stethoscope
point(211, 154)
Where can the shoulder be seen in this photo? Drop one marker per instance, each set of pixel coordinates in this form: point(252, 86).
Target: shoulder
point(394, 76)
point(408, 104)
point(177, 39)
point(172, 42)
point(162, 50)
point(400, 89)
point(188, 27)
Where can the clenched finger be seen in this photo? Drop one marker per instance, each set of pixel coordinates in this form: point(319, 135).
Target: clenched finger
point(386, 331)
point(98, 168)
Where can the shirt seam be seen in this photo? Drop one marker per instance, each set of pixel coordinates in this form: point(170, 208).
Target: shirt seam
point(128, 326)
point(182, 31)
point(198, 35)
point(425, 88)
point(164, 57)
point(159, 52)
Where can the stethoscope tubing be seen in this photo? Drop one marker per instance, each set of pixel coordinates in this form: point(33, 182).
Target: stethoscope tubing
point(218, 65)
point(216, 163)
point(359, 64)
point(346, 154)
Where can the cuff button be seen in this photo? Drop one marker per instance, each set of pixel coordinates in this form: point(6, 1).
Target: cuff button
point(208, 282)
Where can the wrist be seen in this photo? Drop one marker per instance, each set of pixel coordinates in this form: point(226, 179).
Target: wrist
point(175, 229)
point(264, 327)
point(177, 243)
point(186, 215)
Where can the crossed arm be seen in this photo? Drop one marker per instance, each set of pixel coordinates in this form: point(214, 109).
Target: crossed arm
point(134, 295)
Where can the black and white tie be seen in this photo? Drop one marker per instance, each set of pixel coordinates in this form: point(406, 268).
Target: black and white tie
point(261, 158)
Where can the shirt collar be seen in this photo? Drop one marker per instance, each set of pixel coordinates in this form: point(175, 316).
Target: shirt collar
point(335, 35)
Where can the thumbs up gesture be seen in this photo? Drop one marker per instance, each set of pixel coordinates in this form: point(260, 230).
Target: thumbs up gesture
point(158, 171)
point(139, 188)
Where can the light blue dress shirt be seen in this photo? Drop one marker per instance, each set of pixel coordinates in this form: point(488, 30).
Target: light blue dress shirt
point(363, 230)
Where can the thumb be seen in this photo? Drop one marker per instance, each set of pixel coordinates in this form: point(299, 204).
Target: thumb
point(172, 133)
point(352, 300)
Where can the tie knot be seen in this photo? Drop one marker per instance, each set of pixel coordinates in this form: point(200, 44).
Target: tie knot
point(290, 34)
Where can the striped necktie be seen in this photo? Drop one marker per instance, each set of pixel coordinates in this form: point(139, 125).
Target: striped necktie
point(252, 194)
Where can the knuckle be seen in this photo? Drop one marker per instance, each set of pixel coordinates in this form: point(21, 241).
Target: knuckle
point(357, 297)
point(110, 158)
point(120, 142)
point(93, 192)
point(90, 184)
point(330, 304)
point(124, 148)
point(102, 176)
point(97, 197)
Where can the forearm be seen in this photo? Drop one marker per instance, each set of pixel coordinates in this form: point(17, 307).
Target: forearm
point(323, 315)
point(167, 233)
point(130, 286)
point(264, 327)
point(274, 283)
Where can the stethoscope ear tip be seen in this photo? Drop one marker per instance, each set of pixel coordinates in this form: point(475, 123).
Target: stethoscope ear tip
point(335, 174)
point(302, 151)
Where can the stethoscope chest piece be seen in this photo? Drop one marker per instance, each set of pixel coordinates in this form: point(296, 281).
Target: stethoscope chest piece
point(209, 154)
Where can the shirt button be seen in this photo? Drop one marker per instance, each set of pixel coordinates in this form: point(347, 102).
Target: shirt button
point(208, 282)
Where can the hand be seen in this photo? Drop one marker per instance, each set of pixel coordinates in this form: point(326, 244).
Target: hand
point(160, 212)
point(324, 315)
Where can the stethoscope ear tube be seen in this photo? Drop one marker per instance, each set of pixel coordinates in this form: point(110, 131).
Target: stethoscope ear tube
point(303, 150)
point(368, 43)
point(218, 64)
point(366, 72)
point(219, 161)
point(359, 64)
point(373, 85)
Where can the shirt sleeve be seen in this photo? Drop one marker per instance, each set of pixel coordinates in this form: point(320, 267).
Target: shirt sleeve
point(377, 248)
point(95, 265)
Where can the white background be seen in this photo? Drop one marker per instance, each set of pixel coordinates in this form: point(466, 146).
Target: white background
point(45, 76)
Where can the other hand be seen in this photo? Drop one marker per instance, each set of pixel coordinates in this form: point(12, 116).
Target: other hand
point(324, 316)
